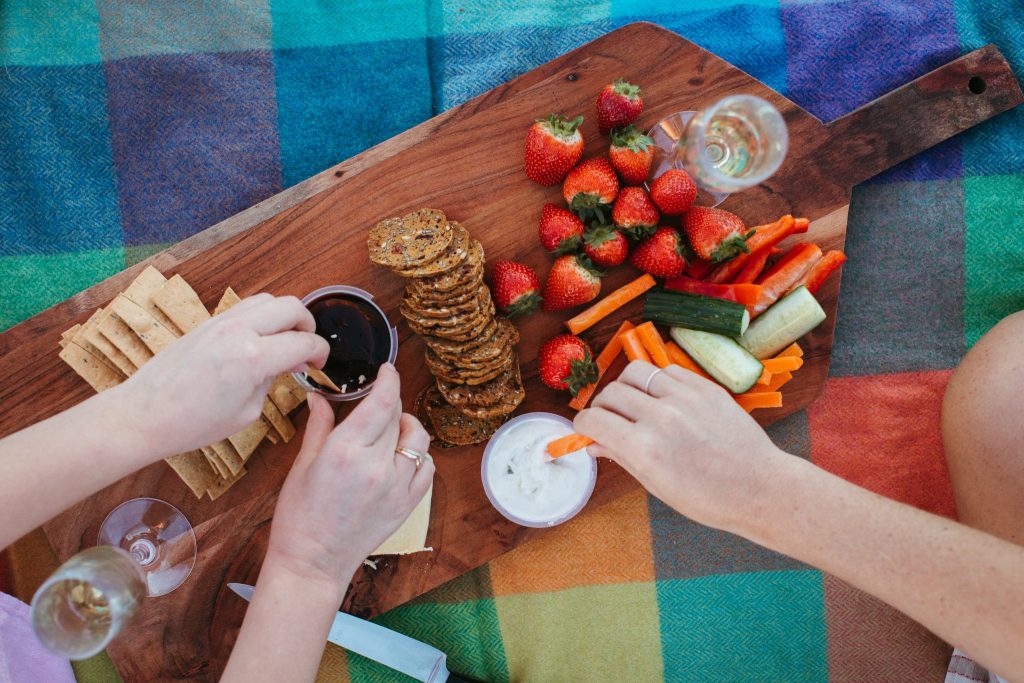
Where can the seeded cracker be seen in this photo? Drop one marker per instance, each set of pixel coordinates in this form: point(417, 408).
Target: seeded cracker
point(410, 241)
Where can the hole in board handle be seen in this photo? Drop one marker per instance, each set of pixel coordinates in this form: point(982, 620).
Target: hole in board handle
point(977, 85)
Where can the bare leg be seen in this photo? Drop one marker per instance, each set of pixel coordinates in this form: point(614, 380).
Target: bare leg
point(983, 432)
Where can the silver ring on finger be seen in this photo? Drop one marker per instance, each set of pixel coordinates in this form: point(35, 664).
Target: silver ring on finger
point(647, 384)
point(415, 456)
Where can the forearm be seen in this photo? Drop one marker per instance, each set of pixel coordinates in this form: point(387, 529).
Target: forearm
point(55, 463)
point(962, 584)
point(285, 628)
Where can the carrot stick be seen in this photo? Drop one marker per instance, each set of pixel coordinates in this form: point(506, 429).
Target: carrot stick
point(617, 299)
point(633, 347)
point(764, 236)
point(683, 360)
point(785, 274)
point(603, 361)
point(791, 350)
point(759, 399)
point(652, 341)
point(820, 271)
point(784, 364)
point(570, 443)
point(754, 266)
point(765, 378)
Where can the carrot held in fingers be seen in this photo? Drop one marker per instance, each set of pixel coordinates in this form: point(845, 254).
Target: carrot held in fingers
point(746, 294)
point(603, 361)
point(755, 264)
point(760, 399)
point(570, 443)
point(633, 347)
point(683, 360)
point(820, 271)
point(785, 275)
point(653, 343)
point(614, 301)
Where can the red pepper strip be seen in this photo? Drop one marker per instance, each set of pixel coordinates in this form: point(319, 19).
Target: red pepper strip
point(763, 237)
point(746, 294)
point(698, 268)
point(785, 275)
point(820, 271)
point(754, 265)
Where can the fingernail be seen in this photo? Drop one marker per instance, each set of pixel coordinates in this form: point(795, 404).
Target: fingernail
point(389, 366)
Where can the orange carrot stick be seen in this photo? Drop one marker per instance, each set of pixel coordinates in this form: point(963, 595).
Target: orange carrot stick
point(784, 364)
point(652, 341)
point(617, 299)
point(570, 443)
point(776, 383)
point(760, 399)
point(633, 347)
point(683, 360)
point(765, 377)
point(755, 264)
point(791, 350)
point(603, 361)
point(785, 275)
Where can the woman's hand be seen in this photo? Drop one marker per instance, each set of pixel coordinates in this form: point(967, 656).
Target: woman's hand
point(349, 490)
point(686, 440)
point(212, 382)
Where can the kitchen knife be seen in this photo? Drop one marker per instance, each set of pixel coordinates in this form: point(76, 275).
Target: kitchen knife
point(402, 653)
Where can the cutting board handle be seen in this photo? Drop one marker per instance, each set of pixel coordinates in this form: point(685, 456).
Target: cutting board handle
point(919, 115)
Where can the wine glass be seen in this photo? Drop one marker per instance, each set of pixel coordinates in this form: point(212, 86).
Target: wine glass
point(736, 143)
point(146, 548)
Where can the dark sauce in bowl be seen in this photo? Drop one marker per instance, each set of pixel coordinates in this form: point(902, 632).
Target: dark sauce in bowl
point(359, 336)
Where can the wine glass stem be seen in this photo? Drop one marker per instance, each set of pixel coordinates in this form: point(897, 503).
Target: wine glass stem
point(143, 551)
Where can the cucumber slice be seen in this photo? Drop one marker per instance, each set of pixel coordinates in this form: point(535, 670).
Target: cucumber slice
point(783, 323)
point(723, 358)
point(696, 312)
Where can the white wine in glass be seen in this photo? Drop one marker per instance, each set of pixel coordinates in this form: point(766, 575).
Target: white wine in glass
point(89, 599)
point(147, 548)
point(735, 144)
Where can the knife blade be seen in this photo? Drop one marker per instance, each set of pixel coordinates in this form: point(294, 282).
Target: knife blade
point(402, 653)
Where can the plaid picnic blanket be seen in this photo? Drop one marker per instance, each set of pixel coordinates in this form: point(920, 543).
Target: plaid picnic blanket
point(126, 126)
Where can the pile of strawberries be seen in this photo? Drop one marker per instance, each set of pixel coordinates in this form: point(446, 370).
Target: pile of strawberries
point(609, 217)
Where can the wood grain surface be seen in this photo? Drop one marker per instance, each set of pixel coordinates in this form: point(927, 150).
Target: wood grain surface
point(468, 162)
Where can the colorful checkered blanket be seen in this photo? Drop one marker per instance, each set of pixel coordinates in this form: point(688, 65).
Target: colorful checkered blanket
point(127, 126)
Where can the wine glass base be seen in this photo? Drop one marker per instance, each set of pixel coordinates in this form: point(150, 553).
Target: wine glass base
point(158, 538)
point(666, 135)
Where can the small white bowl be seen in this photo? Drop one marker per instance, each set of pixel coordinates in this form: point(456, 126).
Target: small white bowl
point(489, 453)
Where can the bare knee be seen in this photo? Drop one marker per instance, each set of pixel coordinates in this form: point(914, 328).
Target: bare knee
point(983, 431)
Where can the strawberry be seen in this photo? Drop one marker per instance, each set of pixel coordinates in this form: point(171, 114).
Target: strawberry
point(605, 246)
point(553, 146)
point(673, 191)
point(590, 188)
point(618, 104)
point(565, 362)
point(572, 281)
point(661, 254)
point(632, 154)
point(715, 234)
point(515, 288)
point(634, 213)
point(560, 229)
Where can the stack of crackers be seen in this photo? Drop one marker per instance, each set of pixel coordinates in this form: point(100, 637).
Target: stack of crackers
point(142, 321)
point(470, 352)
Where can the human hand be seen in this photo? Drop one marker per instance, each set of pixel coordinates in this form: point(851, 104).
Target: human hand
point(687, 441)
point(212, 382)
point(349, 490)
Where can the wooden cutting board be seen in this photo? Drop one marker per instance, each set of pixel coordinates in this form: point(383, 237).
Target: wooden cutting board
point(468, 162)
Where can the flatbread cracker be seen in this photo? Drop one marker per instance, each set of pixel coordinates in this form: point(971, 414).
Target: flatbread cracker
point(287, 394)
point(227, 300)
point(282, 426)
point(143, 290)
point(215, 461)
point(247, 440)
point(411, 537)
point(155, 336)
point(321, 378)
point(181, 304)
point(225, 450)
point(223, 485)
point(120, 335)
point(90, 338)
point(89, 367)
point(67, 335)
point(195, 471)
